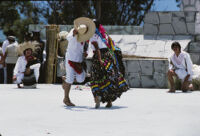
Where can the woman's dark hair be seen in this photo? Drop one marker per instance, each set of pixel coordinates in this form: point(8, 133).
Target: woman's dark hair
point(26, 50)
point(176, 44)
point(97, 23)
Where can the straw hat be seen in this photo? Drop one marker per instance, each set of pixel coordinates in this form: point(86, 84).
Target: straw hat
point(27, 45)
point(85, 27)
point(62, 35)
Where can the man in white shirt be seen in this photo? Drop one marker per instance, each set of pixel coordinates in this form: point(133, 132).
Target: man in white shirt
point(83, 30)
point(10, 57)
point(180, 65)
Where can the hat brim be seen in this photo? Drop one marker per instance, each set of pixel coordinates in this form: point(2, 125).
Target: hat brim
point(91, 28)
point(26, 45)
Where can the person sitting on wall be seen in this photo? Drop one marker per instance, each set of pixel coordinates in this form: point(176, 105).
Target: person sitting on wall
point(26, 70)
point(180, 66)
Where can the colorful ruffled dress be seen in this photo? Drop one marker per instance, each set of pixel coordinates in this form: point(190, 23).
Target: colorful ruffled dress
point(107, 81)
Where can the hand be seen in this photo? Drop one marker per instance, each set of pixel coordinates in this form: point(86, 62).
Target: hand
point(85, 54)
point(101, 62)
point(14, 78)
point(75, 32)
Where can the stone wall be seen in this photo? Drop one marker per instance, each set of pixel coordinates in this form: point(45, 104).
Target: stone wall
point(170, 23)
point(190, 5)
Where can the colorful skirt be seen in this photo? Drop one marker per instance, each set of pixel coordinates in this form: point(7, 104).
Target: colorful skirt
point(108, 81)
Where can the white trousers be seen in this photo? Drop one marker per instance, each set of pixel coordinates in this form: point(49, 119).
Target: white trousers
point(36, 69)
point(71, 74)
point(182, 73)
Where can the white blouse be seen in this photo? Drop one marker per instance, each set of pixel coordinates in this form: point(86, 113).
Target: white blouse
point(97, 39)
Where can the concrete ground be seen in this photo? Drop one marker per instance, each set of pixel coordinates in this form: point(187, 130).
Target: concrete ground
point(139, 112)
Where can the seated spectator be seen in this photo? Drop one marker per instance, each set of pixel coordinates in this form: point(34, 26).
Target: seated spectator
point(180, 66)
point(27, 67)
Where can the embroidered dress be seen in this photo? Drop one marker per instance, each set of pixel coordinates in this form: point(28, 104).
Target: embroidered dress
point(107, 81)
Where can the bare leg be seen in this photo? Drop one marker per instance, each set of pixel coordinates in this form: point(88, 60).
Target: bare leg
point(97, 100)
point(66, 100)
point(109, 104)
point(171, 81)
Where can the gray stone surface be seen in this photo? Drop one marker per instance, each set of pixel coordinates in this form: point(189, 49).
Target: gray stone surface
point(190, 16)
point(147, 67)
point(166, 29)
point(191, 28)
point(195, 58)
point(160, 79)
point(148, 82)
point(134, 79)
point(179, 25)
point(150, 29)
point(151, 18)
point(160, 66)
point(165, 17)
point(194, 47)
point(133, 66)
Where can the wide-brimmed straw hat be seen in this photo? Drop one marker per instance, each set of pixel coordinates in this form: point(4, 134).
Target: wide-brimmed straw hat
point(27, 45)
point(85, 27)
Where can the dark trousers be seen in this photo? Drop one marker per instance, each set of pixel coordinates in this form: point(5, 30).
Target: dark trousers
point(1, 76)
point(10, 68)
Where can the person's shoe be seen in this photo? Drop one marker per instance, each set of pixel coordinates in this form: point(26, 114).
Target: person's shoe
point(68, 102)
point(172, 90)
point(109, 105)
point(18, 85)
point(97, 101)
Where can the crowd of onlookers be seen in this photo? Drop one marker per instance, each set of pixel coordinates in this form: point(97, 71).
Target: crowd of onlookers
point(9, 55)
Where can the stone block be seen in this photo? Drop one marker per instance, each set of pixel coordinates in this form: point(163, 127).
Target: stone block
point(191, 28)
point(151, 18)
point(148, 82)
point(146, 66)
point(134, 80)
point(179, 25)
point(160, 66)
point(197, 18)
point(195, 57)
point(190, 16)
point(150, 29)
point(197, 28)
point(194, 47)
point(179, 14)
point(197, 38)
point(165, 17)
point(133, 66)
point(160, 79)
point(166, 29)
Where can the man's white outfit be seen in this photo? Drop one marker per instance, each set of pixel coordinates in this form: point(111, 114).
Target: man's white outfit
point(182, 65)
point(20, 68)
point(4, 48)
point(74, 53)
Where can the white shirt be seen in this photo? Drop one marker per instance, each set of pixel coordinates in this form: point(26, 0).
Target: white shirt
point(20, 65)
point(96, 38)
point(180, 63)
point(5, 44)
point(74, 49)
